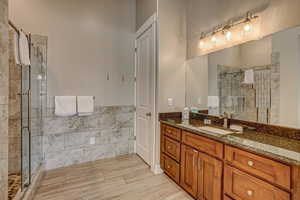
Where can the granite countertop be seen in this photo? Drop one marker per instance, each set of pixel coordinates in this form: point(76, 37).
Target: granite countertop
point(279, 148)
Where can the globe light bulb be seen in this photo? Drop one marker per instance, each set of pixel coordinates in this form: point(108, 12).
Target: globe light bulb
point(201, 44)
point(247, 27)
point(228, 35)
point(213, 39)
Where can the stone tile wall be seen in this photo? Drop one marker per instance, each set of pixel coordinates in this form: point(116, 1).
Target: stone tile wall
point(4, 73)
point(14, 133)
point(66, 140)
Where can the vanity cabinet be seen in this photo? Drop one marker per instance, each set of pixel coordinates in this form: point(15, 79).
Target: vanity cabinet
point(241, 185)
point(189, 169)
point(201, 174)
point(212, 170)
point(209, 177)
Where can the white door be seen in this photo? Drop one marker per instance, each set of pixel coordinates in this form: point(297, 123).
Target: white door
point(145, 94)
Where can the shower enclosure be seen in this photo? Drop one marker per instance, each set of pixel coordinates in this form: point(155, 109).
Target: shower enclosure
point(33, 104)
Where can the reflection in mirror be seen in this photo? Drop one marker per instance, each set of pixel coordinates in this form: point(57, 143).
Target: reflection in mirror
point(256, 81)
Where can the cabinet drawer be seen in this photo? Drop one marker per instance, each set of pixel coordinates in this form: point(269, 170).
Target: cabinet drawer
point(171, 168)
point(203, 144)
point(172, 132)
point(264, 168)
point(172, 148)
point(240, 186)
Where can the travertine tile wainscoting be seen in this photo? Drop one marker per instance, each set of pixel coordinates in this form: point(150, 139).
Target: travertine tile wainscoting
point(3, 98)
point(67, 140)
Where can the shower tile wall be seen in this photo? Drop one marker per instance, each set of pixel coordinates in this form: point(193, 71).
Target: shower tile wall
point(14, 133)
point(4, 73)
point(231, 90)
point(66, 140)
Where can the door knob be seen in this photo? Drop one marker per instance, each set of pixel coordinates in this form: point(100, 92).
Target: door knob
point(148, 114)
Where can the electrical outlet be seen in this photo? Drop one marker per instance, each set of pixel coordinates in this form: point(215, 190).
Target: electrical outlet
point(92, 140)
point(170, 102)
point(199, 101)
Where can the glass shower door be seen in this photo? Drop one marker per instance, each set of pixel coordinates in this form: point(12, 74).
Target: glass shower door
point(25, 126)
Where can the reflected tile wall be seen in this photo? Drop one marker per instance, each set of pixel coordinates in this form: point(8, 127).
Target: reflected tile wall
point(66, 140)
point(4, 73)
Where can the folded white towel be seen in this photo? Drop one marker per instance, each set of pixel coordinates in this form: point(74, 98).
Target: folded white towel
point(85, 105)
point(24, 49)
point(249, 76)
point(16, 48)
point(65, 106)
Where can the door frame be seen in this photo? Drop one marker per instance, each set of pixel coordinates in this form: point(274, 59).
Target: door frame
point(152, 21)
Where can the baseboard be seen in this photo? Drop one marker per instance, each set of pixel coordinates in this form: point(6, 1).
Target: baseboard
point(157, 170)
point(36, 180)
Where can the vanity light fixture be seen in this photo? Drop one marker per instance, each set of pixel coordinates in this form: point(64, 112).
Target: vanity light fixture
point(230, 34)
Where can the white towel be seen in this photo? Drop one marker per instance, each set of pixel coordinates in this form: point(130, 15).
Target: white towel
point(85, 105)
point(65, 106)
point(249, 76)
point(24, 49)
point(16, 48)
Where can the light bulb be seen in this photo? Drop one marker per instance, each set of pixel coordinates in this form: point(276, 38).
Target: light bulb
point(228, 35)
point(213, 39)
point(201, 44)
point(247, 27)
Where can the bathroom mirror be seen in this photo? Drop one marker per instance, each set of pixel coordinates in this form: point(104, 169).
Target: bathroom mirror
point(255, 81)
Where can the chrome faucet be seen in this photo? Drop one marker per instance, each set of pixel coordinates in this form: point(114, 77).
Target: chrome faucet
point(226, 118)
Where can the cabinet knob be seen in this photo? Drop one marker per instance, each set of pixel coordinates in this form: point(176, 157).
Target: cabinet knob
point(169, 131)
point(168, 166)
point(249, 193)
point(168, 147)
point(250, 163)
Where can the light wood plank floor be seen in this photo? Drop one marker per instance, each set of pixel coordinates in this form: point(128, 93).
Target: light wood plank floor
point(121, 178)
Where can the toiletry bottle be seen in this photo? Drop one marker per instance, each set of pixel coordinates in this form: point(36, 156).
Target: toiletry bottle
point(186, 114)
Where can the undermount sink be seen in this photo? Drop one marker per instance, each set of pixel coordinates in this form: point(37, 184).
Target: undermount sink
point(210, 130)
point(215, 130)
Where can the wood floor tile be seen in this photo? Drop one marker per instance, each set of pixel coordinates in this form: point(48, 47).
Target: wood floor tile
point(122, 178)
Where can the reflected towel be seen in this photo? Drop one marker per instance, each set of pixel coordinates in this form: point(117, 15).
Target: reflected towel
point(85, 105)
point(16, 48)
point(65, 106)
point(24, 49)
point(249, 76)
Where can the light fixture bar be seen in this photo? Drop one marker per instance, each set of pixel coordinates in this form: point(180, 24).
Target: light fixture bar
point(230, 34)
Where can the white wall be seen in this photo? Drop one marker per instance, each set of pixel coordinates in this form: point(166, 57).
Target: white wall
point(287, 43)
point(144, 10)
point(87, 41)
point(172, 54)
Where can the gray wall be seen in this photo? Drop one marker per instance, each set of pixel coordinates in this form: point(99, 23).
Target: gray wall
point(3, 98)
point(87, 41)
point(171, 58)
point(287, 44)
point(202, 15)
point(144, 10)
point(172, 54)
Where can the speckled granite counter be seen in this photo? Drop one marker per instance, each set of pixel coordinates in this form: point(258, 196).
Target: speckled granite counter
point(279, 148)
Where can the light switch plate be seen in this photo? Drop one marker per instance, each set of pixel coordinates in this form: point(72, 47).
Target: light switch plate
point(170, 102)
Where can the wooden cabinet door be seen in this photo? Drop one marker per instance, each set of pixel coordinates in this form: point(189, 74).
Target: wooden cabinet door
point(189, 170)
point(209, 178)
